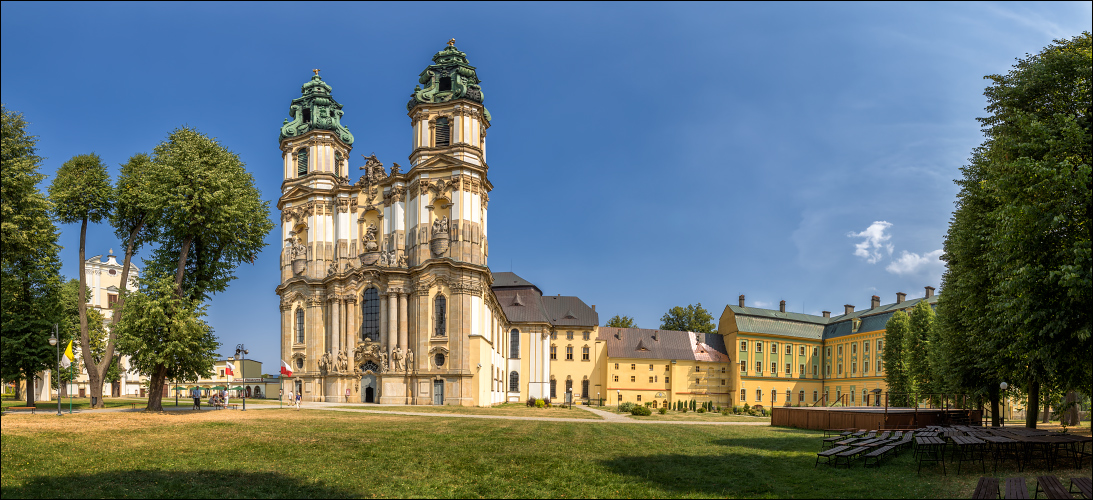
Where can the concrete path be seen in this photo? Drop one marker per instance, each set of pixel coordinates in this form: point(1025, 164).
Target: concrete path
point(606, 416)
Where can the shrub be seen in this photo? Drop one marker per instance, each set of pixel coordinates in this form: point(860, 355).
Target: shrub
point(736, 410)
point(747, 408)
point(663, 411)
point(726, 412)
point(546, 402)
point(702, 409)
point(684, 410)
point(641, 411)
point(531, 402)
point(539, 403)
point(626, 407)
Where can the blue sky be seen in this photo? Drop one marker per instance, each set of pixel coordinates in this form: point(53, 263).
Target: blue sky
point(643, 155)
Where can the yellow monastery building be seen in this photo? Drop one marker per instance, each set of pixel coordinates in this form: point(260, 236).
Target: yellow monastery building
point(386, 291)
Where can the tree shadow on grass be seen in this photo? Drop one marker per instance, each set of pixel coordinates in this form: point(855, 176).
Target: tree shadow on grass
point(174, 484)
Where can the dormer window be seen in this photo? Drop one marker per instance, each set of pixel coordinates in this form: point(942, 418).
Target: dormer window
point(445, 83)
point(307, 115)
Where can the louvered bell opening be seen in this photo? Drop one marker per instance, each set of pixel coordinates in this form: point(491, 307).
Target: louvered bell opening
point(443, 132)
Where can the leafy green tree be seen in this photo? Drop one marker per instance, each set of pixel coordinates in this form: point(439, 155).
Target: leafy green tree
point(165, 336)
point(897, 329)
point(134, 208)
point(621, 322)
point(203, 213)
point(692, 318)
point(916, 348)
point(81, 193)
point(1030, 183)
point(29, 267)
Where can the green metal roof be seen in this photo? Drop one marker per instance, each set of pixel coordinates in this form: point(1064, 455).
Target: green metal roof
point(807, 326)
point(316, 109)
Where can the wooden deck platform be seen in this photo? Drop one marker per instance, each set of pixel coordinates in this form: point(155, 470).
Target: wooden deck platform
point(869, 417)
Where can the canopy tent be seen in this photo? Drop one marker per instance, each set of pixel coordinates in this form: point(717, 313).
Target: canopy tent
point(237, 388)
point(218, 388)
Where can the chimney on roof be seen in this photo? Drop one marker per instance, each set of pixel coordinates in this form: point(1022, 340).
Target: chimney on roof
point(900, 297)
point(847, 309)
point(874, 302)
point(929, 292)
point(655, 335)
point(741, 300)
point(782, 306)
point(827, 314)
point(593, 307)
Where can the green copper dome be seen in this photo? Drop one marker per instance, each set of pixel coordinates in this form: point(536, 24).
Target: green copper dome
point(450, 77)
point(316, 109)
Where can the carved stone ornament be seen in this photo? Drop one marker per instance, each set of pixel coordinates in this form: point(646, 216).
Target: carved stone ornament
point(325, 363)
point(438, 244)
point(369, 240)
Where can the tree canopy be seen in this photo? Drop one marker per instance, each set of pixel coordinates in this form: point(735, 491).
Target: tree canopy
point(617, 321)
point(1020, 267)
point(692, 318)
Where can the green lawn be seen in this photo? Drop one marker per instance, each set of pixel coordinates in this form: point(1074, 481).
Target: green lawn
point(693, 416)
point(505, 409)
point(315, 453)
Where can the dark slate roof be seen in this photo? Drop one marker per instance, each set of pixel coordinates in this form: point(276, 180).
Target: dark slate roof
point(667, 344)
point(807, 326)
point(569, 311)
point(871, 319)
point(522, 305)
point(511, 280)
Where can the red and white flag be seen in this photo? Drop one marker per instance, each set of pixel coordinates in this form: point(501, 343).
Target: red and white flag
point(285, 370)
point(230, 370)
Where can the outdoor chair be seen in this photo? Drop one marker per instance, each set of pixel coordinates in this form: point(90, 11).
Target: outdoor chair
point(849, 455)
point(878, 454)
point(1052, 488)
point(987, 488)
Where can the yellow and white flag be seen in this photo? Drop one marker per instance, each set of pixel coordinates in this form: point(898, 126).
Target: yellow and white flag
point(68, 358)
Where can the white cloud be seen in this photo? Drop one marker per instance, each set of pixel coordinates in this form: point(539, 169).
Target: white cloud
point(913, 263)
point(760, 303)
point(874, 240)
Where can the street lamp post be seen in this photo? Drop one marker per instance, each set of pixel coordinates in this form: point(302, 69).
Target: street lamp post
point(240, 352)
point(1003, 386)
point(53, 341)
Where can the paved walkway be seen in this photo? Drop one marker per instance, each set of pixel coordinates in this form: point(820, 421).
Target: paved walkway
point(606, 416)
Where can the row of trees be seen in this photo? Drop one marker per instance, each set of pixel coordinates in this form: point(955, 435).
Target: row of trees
point(693, 318)
point(1017, 289)
point(191, 202)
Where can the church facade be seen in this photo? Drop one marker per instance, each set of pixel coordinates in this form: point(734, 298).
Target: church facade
point(385, 290)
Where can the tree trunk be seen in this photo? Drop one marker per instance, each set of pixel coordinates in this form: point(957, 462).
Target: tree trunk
point(30, 386)
point(94, 375)
point(155, 389)
point(130, 248)
point(182, 254)
point(995, 417)
point(1032, 410)
point(1070, 416)
point(18, 396)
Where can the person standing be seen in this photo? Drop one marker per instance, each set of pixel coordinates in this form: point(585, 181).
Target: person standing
point(195, 393)
point(291, 397)
point(298, 402)
point(346, 394)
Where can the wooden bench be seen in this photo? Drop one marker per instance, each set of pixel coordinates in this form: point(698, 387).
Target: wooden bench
point(233, 406)
point(827, 454)
point(877, 455)
point(1015, 488)
point(1052, 488)
point(1084, 484)
point(987, 488)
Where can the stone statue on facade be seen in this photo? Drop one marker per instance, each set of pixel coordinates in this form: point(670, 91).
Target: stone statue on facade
point(396, 359)
point(396, 169)
point(373, 171)
point(402, 260)
point(370, 244)
point(325, 363)
point(343, 361)
point(298, 254)
point(409, 359)
point(383, 260)
point(383, 362)
point(440, 225)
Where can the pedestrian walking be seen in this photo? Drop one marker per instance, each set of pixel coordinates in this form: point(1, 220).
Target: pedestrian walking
point(298, 402)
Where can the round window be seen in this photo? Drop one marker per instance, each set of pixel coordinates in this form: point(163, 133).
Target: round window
point(300, 363)
point(113, 272)
point(439, 359)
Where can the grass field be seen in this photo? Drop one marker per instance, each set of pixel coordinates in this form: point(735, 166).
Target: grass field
point(316, 453)
point(507, 409)
point(692, 416)
point(82, 403)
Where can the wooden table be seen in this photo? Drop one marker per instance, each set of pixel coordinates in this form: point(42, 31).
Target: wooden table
point(930, 449)
point(970, 449)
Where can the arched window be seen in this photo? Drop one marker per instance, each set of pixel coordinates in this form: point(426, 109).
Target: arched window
point(299, 326)
point(514, 344)
point(301, 162)
point(553, 388)
point(370, 307)
point(440, 306)
point(569, 385)
point(514, 381)
point(443, 132)
point(584, 388)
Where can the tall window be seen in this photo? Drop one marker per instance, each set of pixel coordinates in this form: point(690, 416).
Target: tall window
point(569, 335)
point(801, 397)
point(743, 345)
point(569, 385)
point(587, 335)
point(774, 348)
point(338, 163)
point(514, 381)
point(553, 388)
point(299, 326)
point(443, 132)
point(584, 387)
point(301, 161)
point(758, 395)
point(743, 367)
point(584, 354)
point(773, 395)
point(743, 395)
point(802, 370)
point(758, 367)
point(815, 396)
point(514, 344)
point(865, 346)
point(440, 305)
point(802, 351)
point(773, 368)
point(758, 346)
point(787, 369)
point(370, 309)
point(569, 353)
point(553, 352)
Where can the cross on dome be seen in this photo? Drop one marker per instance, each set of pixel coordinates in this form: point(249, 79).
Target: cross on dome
point(451, 43)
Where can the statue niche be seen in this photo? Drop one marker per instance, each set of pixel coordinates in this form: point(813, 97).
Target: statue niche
point(299, 254)
point(438, 244)
point(369, 357)
point(371, 245)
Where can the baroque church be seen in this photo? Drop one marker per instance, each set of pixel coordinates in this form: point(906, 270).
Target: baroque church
point(386, 294)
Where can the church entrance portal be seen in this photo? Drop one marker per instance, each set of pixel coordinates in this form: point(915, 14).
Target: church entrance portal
point(368, 389)
point(438, 392)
